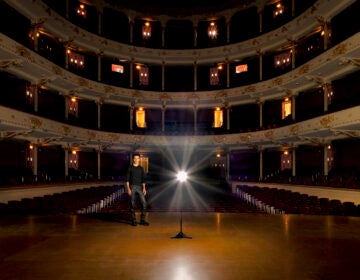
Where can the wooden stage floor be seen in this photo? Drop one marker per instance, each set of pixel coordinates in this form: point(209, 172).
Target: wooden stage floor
point(223, 246)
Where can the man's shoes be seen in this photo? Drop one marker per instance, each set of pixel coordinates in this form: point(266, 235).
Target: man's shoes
point(133, 223)
point(144, 223)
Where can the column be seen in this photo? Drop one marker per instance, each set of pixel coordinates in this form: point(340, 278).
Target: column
point(99, 103)
point(260, 113)
point(195, 76)
point(131, 23)
point(260, 13)
point(227, 107)
point(163, 27)
point(293, 164)
point(163, 117)
point(36, 38)
point(260, 65)
point(131, 72)
point(163, 76)
point(227, 73)
point(99, 163)
point(66, 107)
point(326, 162)
point(99, 55)
point(326, 35)
point(67, 9)
point(261, 165)
point(228, 23)
point(293, 57)
point(35, 161)
point(195, 26)
point(132, 115)
point(327, 95)
point(227, 166)
point(293, 104)
point(36, 98)
point(195, 118)
point(66, 150)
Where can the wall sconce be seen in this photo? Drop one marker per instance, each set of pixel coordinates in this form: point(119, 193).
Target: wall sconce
point(279, 10)
point(76, 60)
point(212, 31)
point(146, 31)
point(81, 10)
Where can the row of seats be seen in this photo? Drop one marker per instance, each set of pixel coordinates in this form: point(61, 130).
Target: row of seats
point(220, 200)
point(68, 202)
point(289, 202)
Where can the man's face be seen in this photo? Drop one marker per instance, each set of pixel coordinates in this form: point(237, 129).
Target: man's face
point(136, 160)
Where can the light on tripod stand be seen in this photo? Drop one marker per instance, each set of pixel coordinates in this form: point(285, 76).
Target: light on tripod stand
point(181, 177)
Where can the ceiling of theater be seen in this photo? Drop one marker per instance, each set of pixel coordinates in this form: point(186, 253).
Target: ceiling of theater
point(178, 8)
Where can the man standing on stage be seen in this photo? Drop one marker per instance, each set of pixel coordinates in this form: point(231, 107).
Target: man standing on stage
point(135, 184)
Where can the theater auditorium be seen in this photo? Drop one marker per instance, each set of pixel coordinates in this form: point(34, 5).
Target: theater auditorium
point(246, 118)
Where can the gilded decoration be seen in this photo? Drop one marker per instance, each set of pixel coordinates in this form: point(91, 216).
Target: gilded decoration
point(8, 63)
point(91, 134)
point(66, 129)
point(219, 138)
point(35, 122)
point(340, 49)
point(246, 137)
point(304, 69)
point(82, 82)
point(57, 70)
point(139, 139)
point(113, 137)
point(294, 130)
point(22, 51)
point(108, 89)
point(269, 134)
point(326, 121)
point(277, 82)
point(220, 94)
point(164, 96)
point(250, 88)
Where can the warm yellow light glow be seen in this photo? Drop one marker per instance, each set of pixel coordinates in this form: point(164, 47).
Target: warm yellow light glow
point(73, 99)
point(218, 117)
point(286, 108)
point(140, 117)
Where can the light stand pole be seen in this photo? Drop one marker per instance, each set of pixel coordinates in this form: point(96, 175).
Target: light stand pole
point(182, 176)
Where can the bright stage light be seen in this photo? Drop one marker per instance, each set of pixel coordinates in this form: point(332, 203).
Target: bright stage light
point(181, 176)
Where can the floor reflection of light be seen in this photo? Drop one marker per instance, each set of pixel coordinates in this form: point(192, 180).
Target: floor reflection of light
point(182, 273)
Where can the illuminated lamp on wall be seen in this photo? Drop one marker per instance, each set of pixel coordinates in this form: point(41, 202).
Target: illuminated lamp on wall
point(279, 10)
point(140, 117)
point(286, 160)
point(146, 30)
point(76, 60)
point(218, 117)
point(30, 92)
point(282, 60)
point(81, 10)
point(117, 68)
point(286, 108)
point(73, 106)
point(214, 76)
point(241, 68)
point(143, 74)
point(212, 31)
point(74, 159)
point(30, 156)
